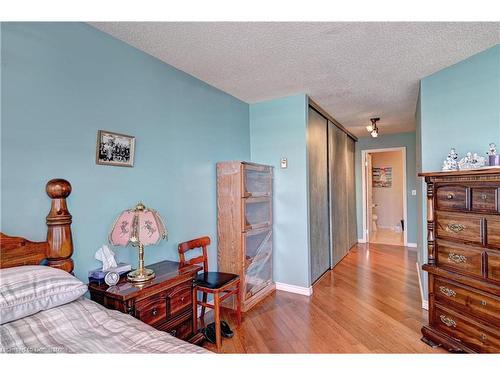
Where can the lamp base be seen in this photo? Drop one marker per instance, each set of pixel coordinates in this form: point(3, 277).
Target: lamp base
point(141, 275)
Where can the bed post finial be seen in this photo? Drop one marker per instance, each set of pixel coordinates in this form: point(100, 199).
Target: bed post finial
point(59, 236)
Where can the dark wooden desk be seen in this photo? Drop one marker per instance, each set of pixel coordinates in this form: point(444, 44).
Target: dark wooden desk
point(168, 302)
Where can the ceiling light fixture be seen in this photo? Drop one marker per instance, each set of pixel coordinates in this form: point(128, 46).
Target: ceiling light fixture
point(373, 129)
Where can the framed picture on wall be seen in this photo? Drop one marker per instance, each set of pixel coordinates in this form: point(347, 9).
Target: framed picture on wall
point(382, 177)
point(115, 149)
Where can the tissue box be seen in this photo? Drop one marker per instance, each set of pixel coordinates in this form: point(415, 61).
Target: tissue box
point(98, 274)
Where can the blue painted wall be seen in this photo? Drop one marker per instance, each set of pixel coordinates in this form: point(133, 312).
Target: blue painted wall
point(459, 107)
point(385, 141)
point(278, 129)
point(60, 83)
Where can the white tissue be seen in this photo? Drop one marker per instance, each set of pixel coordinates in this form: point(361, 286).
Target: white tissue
point(107, 257)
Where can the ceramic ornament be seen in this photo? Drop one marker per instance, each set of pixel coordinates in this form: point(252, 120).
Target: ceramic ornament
point(471, 161)
point(451, 164)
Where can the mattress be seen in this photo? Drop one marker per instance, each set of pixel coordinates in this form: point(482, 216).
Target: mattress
point(83, 326)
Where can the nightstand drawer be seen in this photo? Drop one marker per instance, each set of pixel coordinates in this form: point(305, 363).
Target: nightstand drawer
point(180, 327)
point(180, 299)
point(152, 310)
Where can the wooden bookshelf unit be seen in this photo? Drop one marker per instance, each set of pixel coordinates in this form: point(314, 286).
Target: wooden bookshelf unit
point(245, 228)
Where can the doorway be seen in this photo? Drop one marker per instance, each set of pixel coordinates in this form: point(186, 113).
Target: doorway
point(384, 196)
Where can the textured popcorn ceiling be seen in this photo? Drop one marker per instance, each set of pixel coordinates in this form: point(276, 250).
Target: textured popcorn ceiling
point(353, 70)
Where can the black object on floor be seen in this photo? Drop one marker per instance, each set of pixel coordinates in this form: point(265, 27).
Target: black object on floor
point(209, 333)
point(225, 330)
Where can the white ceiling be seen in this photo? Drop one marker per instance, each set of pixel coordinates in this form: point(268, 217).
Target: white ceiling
point(353, 70)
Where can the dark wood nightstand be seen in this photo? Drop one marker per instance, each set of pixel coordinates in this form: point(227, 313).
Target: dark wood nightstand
point(168, 302)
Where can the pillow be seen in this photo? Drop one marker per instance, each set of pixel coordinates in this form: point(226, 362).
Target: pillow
point(27, 290)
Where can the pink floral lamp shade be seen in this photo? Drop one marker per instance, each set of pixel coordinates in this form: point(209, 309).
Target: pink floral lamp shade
point(140, 224)
point(138, 227)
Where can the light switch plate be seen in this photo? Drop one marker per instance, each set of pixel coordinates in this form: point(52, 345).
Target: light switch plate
point(413, 192)
point(284, 163)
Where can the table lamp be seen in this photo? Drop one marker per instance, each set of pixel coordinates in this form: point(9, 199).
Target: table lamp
point(138, 227)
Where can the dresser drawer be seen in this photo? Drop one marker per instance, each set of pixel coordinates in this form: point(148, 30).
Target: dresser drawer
point(493, 269)
point(152, 310)
point(180, 299)
point(180, 327)
point(460, 258)
point(452, 198)
point(485, 199)
point(459, 227)
point(493, 231)
point(467, 299)
point(474, 334)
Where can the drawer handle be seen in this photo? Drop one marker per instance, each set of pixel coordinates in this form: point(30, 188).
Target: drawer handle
point(483, 337)
point(484, 197)
point(457, 258)
point(183, 298)
point(483, 303)
point(450, 196)
point(154, 312)
point(448, 321)
point(173, 332)
point(455, 227)
point(447, 291)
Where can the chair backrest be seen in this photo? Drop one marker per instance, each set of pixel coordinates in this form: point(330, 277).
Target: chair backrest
point(197, 243)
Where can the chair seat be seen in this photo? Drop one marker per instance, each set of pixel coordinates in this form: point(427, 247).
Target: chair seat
point(214, 280)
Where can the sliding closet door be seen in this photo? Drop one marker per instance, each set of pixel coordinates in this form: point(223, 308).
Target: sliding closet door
point(337, 140)
point(351, 194)
point(318, 194)
point(343, 231)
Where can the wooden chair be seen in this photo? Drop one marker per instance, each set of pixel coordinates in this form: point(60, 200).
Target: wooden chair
point(221, 285)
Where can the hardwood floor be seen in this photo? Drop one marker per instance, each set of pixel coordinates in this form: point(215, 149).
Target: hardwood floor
point(370, 303)
point(387, 237)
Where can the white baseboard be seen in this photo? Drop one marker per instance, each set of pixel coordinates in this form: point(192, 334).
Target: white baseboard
point(294, 289)
point(425, 304)
point(411, 244)
point(361, 240)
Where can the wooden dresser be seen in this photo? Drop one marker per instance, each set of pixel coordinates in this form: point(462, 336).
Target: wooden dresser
point(245, 228)
point(463, 220)
point(168, 302)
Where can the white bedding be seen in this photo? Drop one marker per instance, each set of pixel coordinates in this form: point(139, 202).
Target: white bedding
point(83, 326)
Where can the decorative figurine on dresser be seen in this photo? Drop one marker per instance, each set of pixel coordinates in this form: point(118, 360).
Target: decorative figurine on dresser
point(463, 235)
point(244, 227)
point(493, 157)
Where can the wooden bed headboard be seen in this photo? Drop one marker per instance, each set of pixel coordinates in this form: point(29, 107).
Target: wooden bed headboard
point(57, 250)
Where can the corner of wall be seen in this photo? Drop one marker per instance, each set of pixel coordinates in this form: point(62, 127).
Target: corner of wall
point(268, 123)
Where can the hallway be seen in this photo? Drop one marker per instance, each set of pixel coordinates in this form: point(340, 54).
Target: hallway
point(370, 303)
point(387, 237)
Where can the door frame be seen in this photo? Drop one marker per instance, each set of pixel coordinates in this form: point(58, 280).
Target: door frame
point(365, 237)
